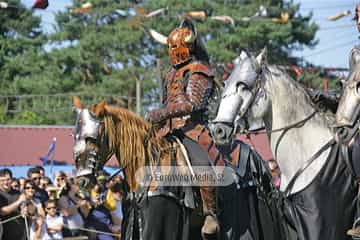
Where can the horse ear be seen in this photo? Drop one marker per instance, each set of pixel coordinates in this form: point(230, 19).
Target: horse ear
point(243, 55)
point(261, 58)
point(99, 109)
point(77, 102)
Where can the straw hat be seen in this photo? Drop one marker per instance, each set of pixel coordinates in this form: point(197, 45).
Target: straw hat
point(52, 188)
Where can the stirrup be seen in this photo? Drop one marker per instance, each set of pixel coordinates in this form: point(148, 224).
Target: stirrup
point(357, 237)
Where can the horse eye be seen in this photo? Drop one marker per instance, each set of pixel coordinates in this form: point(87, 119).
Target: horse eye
point(358, 88)
point(241, 84)
point(90, 140)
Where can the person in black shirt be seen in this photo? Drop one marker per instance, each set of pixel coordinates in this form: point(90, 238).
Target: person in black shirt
point(35, 176)
point(10, 202)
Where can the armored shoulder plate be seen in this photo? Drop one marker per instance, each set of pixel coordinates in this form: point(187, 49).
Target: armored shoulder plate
point(199, 67)
point(193, 67)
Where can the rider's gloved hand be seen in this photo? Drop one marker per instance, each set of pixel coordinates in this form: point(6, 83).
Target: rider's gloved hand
point(317, 96)
point(156, 116)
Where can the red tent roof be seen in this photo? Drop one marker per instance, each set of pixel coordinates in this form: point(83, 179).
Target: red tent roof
point(24, 145)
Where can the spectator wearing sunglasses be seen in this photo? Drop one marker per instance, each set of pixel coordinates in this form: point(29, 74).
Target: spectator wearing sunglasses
point(35, 176)
point(29, 191)
point(60, 179)
point(33, 210)
point(54, 222)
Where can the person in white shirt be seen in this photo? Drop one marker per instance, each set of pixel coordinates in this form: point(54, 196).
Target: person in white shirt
point(54, 223)
point(70, 206)
point(38, 228)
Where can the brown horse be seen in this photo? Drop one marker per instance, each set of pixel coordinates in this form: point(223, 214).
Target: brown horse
point(158, 212)
point(155, 212)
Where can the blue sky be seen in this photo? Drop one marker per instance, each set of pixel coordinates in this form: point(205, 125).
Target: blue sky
point(335, 38)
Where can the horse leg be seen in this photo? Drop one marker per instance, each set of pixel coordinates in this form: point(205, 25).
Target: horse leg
point(163, 219)
point(200, 157)
point(238, 221)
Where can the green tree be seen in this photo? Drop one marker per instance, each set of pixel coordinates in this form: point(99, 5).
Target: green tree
point(21, 42)
point(225, 41)
point(104, 49)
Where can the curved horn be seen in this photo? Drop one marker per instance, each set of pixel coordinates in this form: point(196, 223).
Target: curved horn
point(190, 38)
point(158, 36)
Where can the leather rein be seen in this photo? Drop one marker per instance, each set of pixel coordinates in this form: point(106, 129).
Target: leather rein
point(283, 131)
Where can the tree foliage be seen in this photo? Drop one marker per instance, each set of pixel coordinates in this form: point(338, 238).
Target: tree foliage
point(104, 51)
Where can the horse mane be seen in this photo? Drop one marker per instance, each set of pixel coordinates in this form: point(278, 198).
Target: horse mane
point(298, 91)
point(132, 139)
point(273, 69)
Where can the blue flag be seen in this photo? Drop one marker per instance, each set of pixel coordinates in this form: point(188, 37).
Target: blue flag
point(47, 158)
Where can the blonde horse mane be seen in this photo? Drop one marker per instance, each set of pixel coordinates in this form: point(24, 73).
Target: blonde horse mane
point(132, 139)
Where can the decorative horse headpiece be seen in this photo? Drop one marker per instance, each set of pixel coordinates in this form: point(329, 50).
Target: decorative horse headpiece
point(86, 127)
point(349, 107)
point(246, 74)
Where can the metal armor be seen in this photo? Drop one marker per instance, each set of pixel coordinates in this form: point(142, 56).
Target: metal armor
point(349, 106)
point(86, 126)
point(186, 92)
point(354, 57)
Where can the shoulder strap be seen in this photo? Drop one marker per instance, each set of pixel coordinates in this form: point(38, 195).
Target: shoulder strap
point(243, 159)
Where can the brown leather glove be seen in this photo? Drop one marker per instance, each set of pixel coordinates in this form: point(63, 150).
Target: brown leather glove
point(156, 116)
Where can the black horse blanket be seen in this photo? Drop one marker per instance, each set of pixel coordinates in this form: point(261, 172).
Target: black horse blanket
point(325, 209)
point(248, 207)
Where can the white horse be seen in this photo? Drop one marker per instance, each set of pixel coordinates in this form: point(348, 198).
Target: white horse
point(316, 177)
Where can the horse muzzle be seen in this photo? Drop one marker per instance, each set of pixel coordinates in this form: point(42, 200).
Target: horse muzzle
point(221, 133)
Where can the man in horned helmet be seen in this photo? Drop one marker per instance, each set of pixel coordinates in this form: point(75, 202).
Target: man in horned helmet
point(187, 89)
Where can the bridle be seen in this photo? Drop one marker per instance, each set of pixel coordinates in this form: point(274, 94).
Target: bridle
point(95, 157)
point(283, 131)
point(254, 93)
point(89, 128)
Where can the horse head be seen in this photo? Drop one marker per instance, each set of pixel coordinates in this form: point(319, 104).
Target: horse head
point(243, 101)
point(89, 149)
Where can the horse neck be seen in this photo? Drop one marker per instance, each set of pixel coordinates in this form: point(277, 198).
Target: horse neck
point(291, 104)
point(137, 149)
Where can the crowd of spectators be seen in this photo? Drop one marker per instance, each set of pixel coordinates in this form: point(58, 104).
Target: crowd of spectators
point(37, 208)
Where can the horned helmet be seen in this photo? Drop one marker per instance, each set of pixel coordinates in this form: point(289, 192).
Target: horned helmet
point(182, 43)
